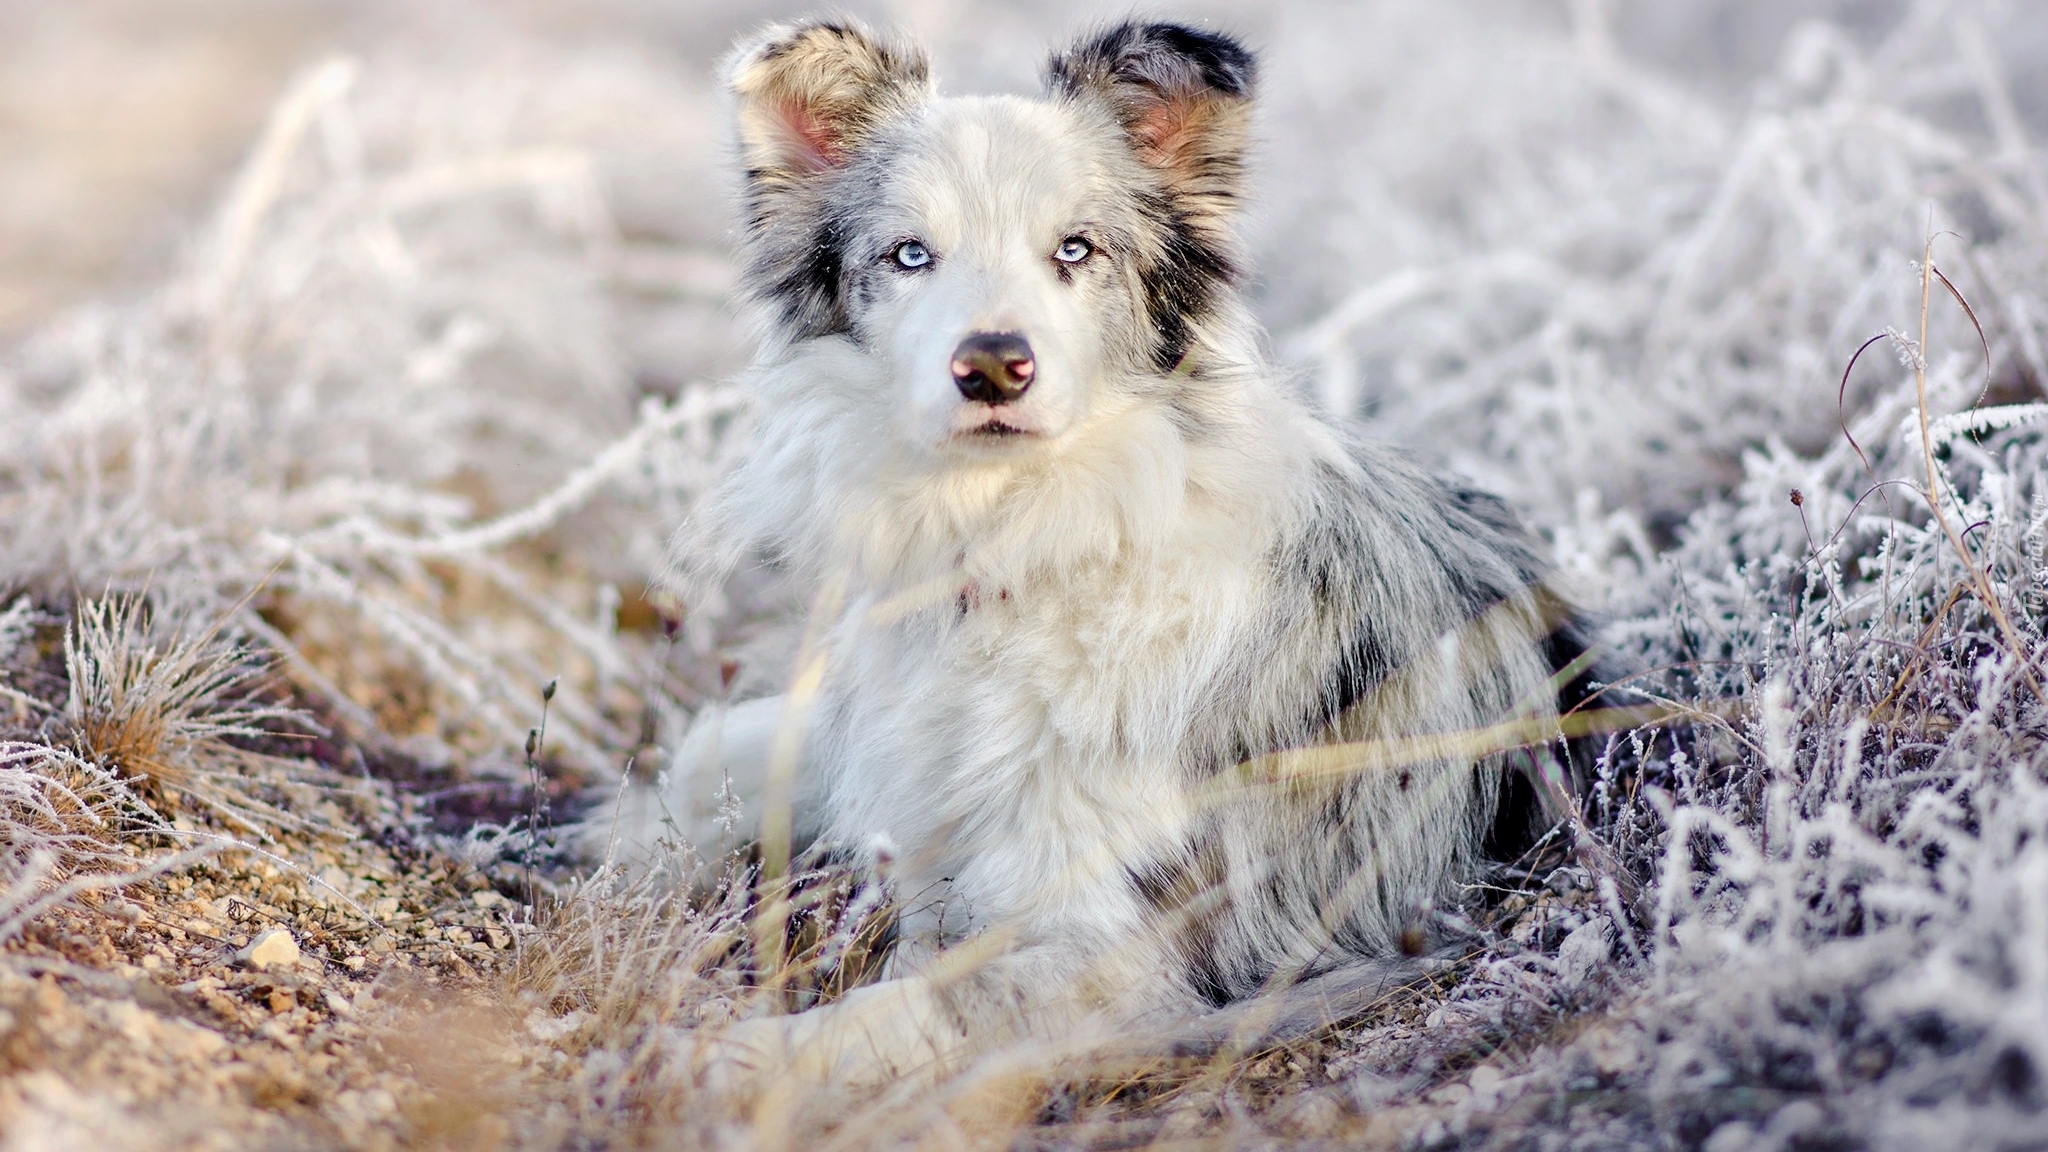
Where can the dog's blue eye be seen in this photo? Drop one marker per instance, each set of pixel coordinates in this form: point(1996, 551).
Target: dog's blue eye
point(1072, 250)
point(912, 254)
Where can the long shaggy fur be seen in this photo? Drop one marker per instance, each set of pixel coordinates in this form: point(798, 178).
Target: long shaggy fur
point(1157, 688)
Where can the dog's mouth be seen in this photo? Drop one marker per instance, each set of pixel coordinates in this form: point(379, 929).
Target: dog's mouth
point(986, 425)
point(996, 428)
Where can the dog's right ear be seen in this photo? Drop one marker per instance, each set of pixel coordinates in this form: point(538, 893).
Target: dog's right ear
point(808, 95)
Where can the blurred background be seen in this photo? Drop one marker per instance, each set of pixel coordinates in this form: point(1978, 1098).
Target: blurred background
point(122, 120)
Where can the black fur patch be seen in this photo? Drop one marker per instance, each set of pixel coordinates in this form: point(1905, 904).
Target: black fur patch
point(1174, 887)
point(1160, 884)
point(809, 291)
point(1207, 978)
point(1362, 665)
point(1519, 819)
point(1161, 56)
point(1181, 285)
point(1364, 657)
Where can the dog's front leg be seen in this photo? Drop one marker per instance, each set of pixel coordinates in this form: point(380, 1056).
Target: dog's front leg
point(713, 790)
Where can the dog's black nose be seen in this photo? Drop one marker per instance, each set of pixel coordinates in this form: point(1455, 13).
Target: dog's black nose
point(993, 367)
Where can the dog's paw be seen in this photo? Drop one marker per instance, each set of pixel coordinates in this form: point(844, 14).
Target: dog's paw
point(874, 1034)
point(741, 1059)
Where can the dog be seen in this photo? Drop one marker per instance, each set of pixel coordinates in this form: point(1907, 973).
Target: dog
point(1153, 689)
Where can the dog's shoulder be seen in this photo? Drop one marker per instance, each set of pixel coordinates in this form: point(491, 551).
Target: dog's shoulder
point(1379, 526)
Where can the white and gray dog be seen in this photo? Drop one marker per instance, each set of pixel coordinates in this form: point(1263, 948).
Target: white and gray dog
point(1156, 688)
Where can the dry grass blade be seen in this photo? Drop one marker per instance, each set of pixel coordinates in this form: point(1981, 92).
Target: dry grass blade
point(174, 713)
point(62, 809)
point(1958, 540)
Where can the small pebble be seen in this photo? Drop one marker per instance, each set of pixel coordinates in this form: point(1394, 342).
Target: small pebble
point(272, 950)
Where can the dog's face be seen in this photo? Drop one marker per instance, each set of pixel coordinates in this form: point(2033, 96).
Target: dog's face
point(1015, 268)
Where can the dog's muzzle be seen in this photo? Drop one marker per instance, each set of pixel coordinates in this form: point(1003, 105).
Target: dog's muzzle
point(993, 367)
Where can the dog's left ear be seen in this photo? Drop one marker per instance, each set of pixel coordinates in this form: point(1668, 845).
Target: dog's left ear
point(1183, 98)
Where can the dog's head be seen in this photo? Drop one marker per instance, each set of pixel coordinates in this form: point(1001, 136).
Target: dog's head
point(1014, 268)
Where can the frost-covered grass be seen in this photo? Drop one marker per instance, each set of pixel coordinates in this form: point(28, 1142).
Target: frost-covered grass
point(414, 412)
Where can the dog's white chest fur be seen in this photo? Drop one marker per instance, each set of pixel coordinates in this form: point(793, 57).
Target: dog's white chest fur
point(1013, 748)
